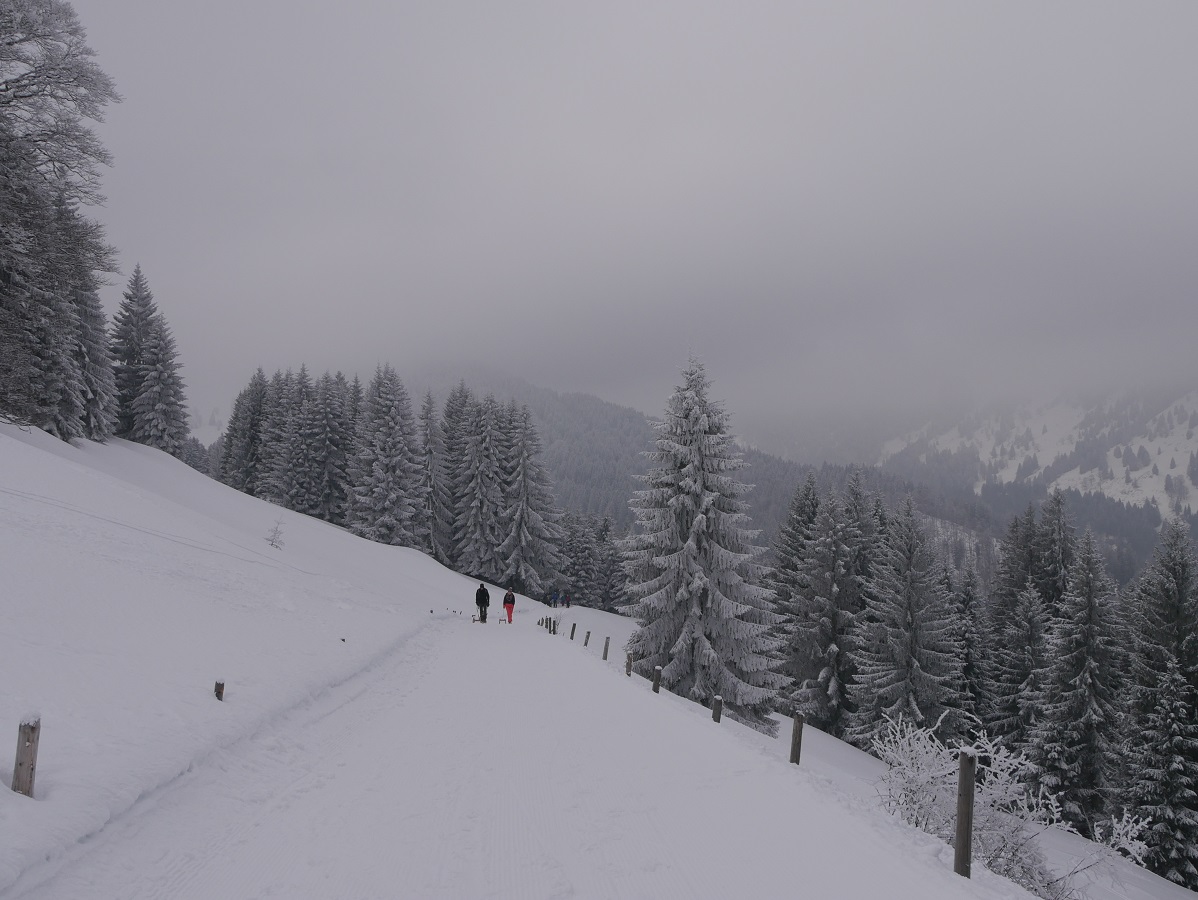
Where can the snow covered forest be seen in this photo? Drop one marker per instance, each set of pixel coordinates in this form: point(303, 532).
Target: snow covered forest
point(855, 617)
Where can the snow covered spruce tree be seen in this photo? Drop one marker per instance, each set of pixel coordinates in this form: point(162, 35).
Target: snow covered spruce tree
point(1165, 704)
point(790, 551)
point(906, 643)
point(817, 652)
point(1074, 747)
point(704, 618)
point(159, 408)
point(1021, 671)
point(478, 491)
point(529, 552)
point(388, 498)
point(241, 456)
point(151, 403)
point(435, 481)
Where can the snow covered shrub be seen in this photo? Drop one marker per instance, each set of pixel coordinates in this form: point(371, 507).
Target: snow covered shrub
point(921, 788)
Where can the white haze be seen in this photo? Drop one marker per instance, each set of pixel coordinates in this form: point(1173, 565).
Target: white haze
point(837, 206)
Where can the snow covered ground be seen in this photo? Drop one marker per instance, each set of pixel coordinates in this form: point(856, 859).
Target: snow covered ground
point(373, 741)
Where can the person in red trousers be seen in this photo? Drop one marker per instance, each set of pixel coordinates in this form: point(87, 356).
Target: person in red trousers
point(509, 603)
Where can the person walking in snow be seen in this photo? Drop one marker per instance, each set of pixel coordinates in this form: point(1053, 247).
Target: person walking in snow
point(509, 604)
point(482, 597)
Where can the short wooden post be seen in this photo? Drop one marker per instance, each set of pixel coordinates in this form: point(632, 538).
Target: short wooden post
point(26, 764)
point(657, 679)
point(606, 644)
point(628, 664)
point(963, 846)
point(573, 625)
point(796, 739)
point(717, 707)
point(586, 640)
point(219, 690)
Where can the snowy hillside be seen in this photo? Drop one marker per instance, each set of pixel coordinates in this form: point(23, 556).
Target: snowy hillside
point(1132, 449)
point(373, 741)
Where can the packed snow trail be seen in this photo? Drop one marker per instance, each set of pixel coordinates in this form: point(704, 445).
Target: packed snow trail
point(489, 761)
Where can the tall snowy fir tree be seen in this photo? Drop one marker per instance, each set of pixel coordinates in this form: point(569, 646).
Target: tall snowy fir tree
point(529, 552)
point(282, 446)
point(1055, 547)
point(1164, 670)
point(159, 411)
point(130, 330)
point(790, 551)
point(321, 486)
point(455, 431)
point(478, 490)
point(977, 679)
point(96, 371)
point(1074, 748)
point(906, 644)
point(1021, 671)
point(241, 453)
point(1018, 562)
point(1164, 787)
point(704, 618)
point(388, 502)
point(817, 656)
point(436, 488)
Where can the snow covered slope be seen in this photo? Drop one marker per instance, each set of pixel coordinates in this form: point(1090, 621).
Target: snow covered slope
point(374, 742)
point(1135, 449)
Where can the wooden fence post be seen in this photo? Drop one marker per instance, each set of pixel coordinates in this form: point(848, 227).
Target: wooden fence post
point(657, 679)
point(606, 644)
point(717, 707)
point(573, 625)
point(219, 690)
point(26, 764)
point(628, 664)
point(796, 739)
point(963, 846)
point(586, 640)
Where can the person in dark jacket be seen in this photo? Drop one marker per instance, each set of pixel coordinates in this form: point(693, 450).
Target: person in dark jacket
point(482, 597)
point(509, 604)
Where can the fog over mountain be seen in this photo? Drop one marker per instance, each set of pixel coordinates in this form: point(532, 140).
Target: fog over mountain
point(861, 209)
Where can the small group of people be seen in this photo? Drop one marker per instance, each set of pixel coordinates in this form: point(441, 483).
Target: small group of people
point(482, 599)
point(556, 599)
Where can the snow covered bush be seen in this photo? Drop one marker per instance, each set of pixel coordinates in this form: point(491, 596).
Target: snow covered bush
point(921, 788)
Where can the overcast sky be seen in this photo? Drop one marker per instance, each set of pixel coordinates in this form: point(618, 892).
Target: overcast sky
point(829, 203)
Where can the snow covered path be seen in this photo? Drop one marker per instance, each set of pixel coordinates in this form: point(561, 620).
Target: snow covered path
point(466, 765)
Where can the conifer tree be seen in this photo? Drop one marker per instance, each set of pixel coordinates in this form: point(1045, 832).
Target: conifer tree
point(455, 431)
point(790, 550)
point(433, 477)
point(321, 486)
point(478, 488)
point(1074, 748)
point(976, 650)
point(529, 552)
point(906, 646)
point(1021, 671)
point(704, 618)
point(1164, 789)
point(1018, 561)
point(158, 410)
point(241, 447)
point(283, 450)
point(818, 651)
point(1055, 547)
point(388, 501)
point(131, 327)
point(97, 379)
